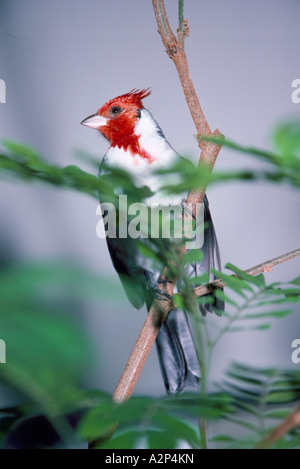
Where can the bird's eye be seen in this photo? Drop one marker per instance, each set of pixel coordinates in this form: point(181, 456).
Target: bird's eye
point(115, 110)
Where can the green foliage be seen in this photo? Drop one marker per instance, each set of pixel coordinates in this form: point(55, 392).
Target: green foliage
point(282, 166)
point(48, 348)
point(262, 398)
point(252, 401)
point(258, 302)
point(23, 162)
point(155, 423)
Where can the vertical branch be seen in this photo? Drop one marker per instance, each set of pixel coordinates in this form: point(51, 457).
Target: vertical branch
point(175, 50)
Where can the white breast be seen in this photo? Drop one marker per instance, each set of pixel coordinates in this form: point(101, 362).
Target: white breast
point(153, 142)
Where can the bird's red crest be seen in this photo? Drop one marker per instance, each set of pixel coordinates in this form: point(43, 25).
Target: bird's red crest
point(133, 99)
point(135, 96)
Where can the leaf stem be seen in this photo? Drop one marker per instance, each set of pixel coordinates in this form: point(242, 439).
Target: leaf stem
point(180, 12)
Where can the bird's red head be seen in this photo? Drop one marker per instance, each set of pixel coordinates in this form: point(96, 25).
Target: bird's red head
point(117, 118)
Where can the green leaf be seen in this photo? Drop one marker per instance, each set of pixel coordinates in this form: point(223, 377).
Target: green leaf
point(27, 153)
point(296, 281)
point(244, 423)
point(179, 301)
point(222, 439)
point(194, 255)
point(158, 439)
point(234, 283)
point(277, 414)
point(199, 279)
point(126, 440)
point(46, 355)
point(148, 252)
point(180, 429)
point(283, 396)
point(24, 284)
point(222, 296)
point(268, 314)
point(205, 300)
point(260, 327)
point(292, 294)
point(287, 138)
point(257, 280)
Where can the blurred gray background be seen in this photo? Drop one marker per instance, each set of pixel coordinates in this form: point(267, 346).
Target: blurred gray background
point(63, 59)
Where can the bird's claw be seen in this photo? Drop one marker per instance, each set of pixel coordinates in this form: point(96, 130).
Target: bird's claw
point(162, 295)
point(164, 280)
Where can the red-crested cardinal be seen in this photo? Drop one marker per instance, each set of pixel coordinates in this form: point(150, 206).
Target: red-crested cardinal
point(138, 145)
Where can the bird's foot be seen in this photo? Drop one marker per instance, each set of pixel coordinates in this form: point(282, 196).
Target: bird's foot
point(162, 295)
point(164, 280)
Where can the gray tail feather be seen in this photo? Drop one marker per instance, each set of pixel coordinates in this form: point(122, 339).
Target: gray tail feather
point(177, 353)
point(211, 259)
point(175, 345)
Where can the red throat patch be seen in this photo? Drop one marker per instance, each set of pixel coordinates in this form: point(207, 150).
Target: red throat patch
point(133, 145)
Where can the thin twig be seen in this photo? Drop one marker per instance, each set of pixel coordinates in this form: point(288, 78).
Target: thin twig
point(258, 269)
point(175, 50)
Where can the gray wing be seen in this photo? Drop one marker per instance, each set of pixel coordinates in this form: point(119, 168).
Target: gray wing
point(211, 259)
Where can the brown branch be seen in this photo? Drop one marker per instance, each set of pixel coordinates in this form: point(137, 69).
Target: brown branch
point(292, 421)
point(175, 50)
point(258, 269)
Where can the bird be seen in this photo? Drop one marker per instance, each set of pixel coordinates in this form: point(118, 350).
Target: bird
point(139, 146)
